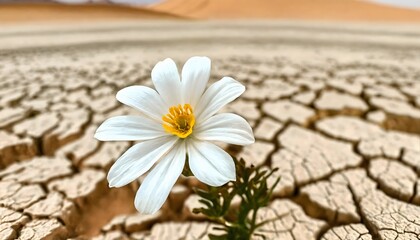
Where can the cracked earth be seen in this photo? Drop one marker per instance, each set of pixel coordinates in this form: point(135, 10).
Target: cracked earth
point(337, 111)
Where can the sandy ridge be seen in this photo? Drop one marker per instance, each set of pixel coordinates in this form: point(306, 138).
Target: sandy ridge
point(344, 10)
point(50, 12)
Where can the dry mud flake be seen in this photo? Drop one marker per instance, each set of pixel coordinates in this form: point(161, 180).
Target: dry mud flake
point(106, 155)
point(82, 147)
point(332, 201)
point(377, 116)
point(37, 170)
point(52, 94)
point(411, 158)
point(314, 85)
point(289, 222)
point(305, 98)
point(396, 107)
point(13, 148)
point(10, 221)
point(133, 222)
point(389, 218)
point(348, 73)
point(257, 153)
point(385, 91)
point(373, 141)
point(270, 90)
point(178, 231)
point(357, 180)
point(283, 160)
point(340, 102)
point(88, 184)
point(394, 178)
point(43, 229)
point(309, 156)
point(17, 196)
point(348, 232)
point(390, 144)
point(400, 115)
point(413, 90)
point(354, 88)
point(288, 71)
point(386, 217)
point(103, 104)
point(315, 73)
point(285, 110)
point(348, 128)
point(112, 235)
point(70, 128)
point(63, 107)
point(54, 205)
point(101, 91)
point(38, 126)
point(9, 116)
point(267, 129)
point(38, 105)
point(12, 95)
point(80, 96)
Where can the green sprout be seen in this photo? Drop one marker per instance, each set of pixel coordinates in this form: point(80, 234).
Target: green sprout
point(251, 187)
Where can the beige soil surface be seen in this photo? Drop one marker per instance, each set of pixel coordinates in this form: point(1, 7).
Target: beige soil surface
point(334, 107)
point(344, 10)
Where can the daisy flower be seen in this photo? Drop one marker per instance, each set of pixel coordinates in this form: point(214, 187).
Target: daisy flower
point(177, 120)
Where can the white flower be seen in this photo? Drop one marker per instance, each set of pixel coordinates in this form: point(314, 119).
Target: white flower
point(178, 119)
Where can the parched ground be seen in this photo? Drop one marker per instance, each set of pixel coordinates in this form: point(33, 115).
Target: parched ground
point(335, 107)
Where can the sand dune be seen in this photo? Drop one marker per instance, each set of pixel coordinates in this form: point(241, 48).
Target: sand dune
point(345, 10)
point(57, 12)
point(341, 10)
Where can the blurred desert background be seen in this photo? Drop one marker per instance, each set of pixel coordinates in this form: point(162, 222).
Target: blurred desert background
point(333, 95)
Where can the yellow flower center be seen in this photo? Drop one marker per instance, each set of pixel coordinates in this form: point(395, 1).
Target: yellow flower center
point(179, 121)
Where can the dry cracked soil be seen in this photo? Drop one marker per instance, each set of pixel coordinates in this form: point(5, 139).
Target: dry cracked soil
point(335, 107)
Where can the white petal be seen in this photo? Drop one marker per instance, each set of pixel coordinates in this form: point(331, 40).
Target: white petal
point(217, 95)
point(195, 75)
point(225, 127)
point(155, 189)
point(138, 159)
point(144, 99)
point(129, 128)
point(165, 77)
point(209, 163)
